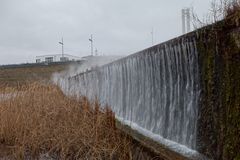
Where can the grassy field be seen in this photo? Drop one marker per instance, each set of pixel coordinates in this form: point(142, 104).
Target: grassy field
point(23, 75)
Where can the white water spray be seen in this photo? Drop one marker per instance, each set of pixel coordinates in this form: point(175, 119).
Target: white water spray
point(157, 90)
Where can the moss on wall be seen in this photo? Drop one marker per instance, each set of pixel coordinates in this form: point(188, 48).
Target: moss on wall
point(219, 115)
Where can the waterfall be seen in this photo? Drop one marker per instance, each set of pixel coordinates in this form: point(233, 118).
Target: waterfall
point(156, 89)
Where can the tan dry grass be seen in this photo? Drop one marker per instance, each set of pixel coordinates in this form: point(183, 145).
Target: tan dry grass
point(41, 119)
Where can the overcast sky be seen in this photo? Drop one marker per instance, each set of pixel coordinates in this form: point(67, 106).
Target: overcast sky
point(34, 27)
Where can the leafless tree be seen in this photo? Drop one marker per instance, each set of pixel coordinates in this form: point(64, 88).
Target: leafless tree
point(219, 10)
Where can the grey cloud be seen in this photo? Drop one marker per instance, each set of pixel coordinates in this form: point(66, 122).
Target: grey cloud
point(32, 27)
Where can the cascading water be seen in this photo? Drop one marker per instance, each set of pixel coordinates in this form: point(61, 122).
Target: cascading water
point(157, 89)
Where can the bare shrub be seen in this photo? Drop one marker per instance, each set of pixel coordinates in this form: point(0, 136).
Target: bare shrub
point(219, 10)
point(232, 8)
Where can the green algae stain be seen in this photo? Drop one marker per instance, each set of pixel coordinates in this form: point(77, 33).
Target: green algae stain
point(219, 125)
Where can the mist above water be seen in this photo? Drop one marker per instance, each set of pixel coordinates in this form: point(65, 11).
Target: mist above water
point(87, 64)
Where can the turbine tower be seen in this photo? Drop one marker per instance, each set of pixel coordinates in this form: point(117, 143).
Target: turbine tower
point(62, 47)
point(186, 20)
point(91, 40)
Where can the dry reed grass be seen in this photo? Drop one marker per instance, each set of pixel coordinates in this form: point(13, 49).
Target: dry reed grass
point(41, 119)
